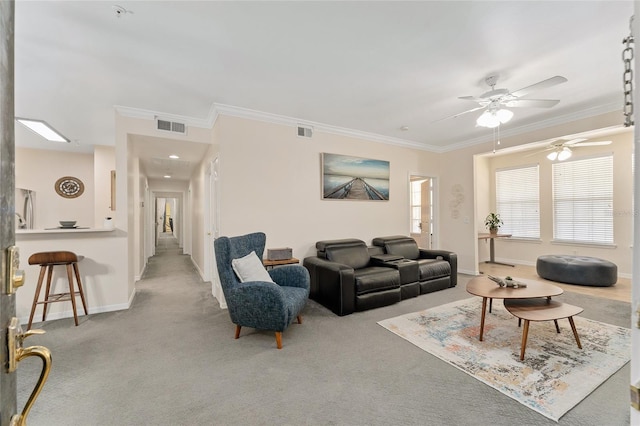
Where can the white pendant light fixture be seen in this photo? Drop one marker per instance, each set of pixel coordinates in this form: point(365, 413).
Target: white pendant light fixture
point(43, 129)
point(494, 117)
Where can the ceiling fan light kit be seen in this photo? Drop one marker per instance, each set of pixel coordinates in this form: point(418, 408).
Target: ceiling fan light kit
point(495, 100)
point(561, 149)
point(565, 154)
point(493, 118)
point(560, 154)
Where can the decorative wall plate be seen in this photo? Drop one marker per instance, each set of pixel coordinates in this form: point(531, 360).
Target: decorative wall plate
point(69, 187)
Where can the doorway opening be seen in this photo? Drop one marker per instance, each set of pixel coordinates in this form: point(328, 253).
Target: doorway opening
point(212, 226)
point(168, 220)
point(422, 199)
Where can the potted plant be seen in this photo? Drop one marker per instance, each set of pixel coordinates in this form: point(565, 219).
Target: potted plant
point(493, 222)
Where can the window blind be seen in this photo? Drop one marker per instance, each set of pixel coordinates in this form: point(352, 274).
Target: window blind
point(583, 200)
point(518, 201)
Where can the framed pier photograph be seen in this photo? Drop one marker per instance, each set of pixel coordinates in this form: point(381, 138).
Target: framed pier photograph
point(354, 178)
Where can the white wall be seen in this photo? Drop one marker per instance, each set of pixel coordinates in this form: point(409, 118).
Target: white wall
point(270, 182)
point(102, 271)
point(39, 170)
point(104, 161)
point(124, 200)
point(482, 175)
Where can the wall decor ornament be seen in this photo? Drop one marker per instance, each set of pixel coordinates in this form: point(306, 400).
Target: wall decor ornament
point(354, 178)
point(457, 198)
point(69, 187)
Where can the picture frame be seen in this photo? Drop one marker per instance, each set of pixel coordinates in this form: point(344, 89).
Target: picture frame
point(354, 178)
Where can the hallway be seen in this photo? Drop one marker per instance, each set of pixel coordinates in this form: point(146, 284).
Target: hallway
point(169, 262)
point(128, 367)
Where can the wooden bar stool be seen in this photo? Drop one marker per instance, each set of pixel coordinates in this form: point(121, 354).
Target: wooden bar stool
point(48, 260)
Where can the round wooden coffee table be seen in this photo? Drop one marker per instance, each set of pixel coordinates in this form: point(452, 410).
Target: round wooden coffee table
point(489, 290)
point(542, 310)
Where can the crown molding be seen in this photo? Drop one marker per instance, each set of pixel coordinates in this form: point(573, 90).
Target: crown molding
point(233, 111)
point(317, 127)
point(145, 114)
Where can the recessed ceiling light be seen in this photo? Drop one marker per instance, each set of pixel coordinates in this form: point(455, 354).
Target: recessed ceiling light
point(43, 129)
point(175, 157)
point(167, 176)
point(404, 128)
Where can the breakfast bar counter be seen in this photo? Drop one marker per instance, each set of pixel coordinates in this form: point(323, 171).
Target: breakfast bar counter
point(103, 269)
point(60, 230)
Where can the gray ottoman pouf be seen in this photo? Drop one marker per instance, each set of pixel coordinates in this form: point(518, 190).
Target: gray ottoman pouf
point(581, 270)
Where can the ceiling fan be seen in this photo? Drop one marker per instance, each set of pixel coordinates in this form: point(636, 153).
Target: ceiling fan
point(495, 101)
point(561, 148)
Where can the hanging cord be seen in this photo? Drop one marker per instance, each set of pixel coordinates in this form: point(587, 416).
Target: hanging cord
point(496, 137)
point(627, 77)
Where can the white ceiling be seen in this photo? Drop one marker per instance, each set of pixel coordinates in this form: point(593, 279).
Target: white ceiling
point(368, 66)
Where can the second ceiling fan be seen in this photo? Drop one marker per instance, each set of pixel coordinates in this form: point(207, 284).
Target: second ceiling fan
point(495, 101)
point(561, 148)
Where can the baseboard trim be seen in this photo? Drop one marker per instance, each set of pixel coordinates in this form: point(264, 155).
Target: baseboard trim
point(139, 277)
point(195, 265)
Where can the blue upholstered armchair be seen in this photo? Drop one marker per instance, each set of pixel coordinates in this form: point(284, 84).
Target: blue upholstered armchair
point(260, 304)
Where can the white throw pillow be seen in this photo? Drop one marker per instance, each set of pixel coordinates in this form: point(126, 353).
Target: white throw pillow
point(250, 268)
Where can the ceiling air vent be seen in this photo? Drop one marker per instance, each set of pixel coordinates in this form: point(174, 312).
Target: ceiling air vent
point(305, 132)
point(171, 126)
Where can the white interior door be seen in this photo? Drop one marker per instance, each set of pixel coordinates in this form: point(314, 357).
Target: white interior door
point(213, 230)
point(422, 199)
point(426, 222)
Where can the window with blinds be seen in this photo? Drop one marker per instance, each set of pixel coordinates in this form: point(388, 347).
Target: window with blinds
point(583, 200)
point(518, 201)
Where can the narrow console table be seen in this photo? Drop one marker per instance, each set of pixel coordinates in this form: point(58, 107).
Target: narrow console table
point(271, 263)
point(492, 250)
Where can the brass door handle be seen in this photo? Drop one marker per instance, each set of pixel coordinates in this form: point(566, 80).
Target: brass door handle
point(15, 338)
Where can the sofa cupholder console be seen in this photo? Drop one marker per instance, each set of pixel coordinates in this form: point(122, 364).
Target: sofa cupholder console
point(437, 269)
point(409, 272)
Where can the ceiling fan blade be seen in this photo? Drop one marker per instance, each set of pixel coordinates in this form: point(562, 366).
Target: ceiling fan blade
point(460, 113)
point(473, 98)
point(531, 103)
point(540, 151)
point(571, 141)
point(550, 82)
point(594, 143)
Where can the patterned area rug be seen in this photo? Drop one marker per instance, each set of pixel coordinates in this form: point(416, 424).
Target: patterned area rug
point(555, 374)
